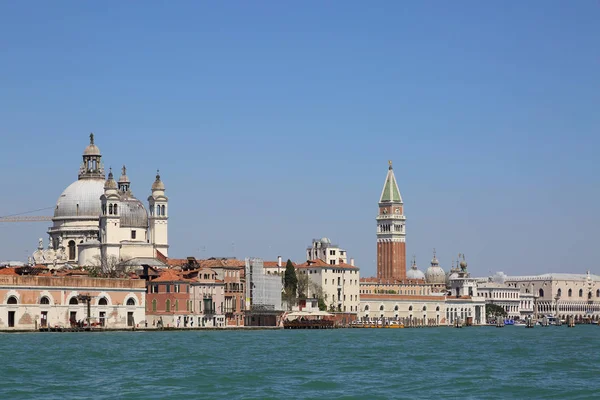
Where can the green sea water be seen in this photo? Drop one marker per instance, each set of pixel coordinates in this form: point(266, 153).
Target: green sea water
point(445, 363)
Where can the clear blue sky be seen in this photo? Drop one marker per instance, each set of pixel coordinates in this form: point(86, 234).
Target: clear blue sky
point(272, 122)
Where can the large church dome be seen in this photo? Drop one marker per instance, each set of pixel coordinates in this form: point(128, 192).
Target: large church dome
point(80, 199)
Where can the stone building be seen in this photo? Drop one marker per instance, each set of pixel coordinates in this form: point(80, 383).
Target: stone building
point(464, 304)
point(562, 295)
point(324, 250)
point(30, 302)
point(426, 309)
point(340, 283)
point(502, 295)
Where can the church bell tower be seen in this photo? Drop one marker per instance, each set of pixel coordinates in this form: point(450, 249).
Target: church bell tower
point(159, 217)
point(391, 232)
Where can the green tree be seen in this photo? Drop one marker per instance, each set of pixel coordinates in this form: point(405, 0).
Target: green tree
point(290, 280)
point(290, 285)
point(322, 305)
point(495, 310)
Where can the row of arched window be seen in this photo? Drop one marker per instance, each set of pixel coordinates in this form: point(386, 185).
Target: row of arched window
point(72, 301)
point(390, 228)
point(396, 308)
point(167, 305)
point(570, 293)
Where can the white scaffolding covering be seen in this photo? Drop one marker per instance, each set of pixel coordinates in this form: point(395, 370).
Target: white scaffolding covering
point(263, 291)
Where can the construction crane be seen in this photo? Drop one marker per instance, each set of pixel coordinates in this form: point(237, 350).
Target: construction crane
point(21, 217)
point(40, 218)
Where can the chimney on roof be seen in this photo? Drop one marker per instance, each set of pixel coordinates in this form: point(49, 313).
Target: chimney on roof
point(279, 261)
point(352, 262)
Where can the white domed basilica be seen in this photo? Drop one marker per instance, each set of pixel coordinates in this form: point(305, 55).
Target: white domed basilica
point(96, 218)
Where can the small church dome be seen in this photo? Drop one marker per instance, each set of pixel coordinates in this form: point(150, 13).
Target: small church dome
point(110, 182)
point(415, 273)
point(91, 149)
point(133, 214)
point(158, 184)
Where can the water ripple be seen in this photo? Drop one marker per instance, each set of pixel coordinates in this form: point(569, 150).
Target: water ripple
point(336, 364)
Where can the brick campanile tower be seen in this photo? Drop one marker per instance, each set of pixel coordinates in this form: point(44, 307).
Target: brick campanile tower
point(391, 232)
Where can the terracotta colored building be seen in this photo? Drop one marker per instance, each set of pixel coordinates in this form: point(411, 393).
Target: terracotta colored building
point(231, 272)
point(31, 298)
point(168, 299)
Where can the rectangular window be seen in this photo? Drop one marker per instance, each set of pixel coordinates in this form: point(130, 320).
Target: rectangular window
point(176, 288)
point(133, 233)
point(332, 252)
point(168, 288)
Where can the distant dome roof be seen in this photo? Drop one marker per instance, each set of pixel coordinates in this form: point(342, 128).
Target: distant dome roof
point(435, 274)
point(80, 199)
point(325, 241)
point(133, 213)
point(452, 274)
point(414, 273)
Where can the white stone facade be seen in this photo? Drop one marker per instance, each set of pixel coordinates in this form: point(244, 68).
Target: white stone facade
point(507, 297)
point(96, 219)
point(427, 310)
point(340, 283)
point(322, 249)
point(562, 295)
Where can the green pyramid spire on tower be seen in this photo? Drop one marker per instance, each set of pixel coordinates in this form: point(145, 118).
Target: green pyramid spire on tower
point(390, 192)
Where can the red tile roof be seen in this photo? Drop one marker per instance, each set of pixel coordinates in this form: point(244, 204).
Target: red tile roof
point(318, 263)
point(458, 298)
point(176, 262)
point(161, 257)
point(170, 275)
point(275, 264)
point(8, 271)
point(209, 263)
